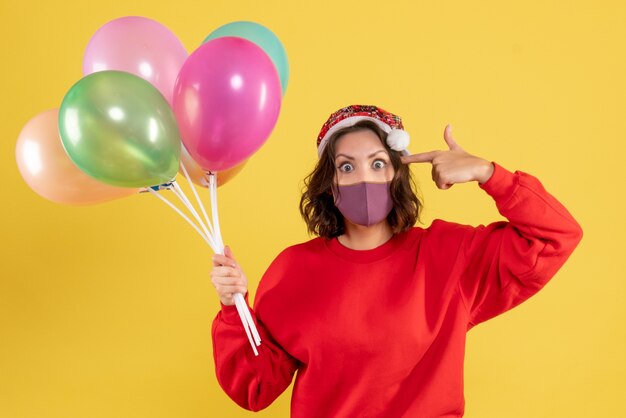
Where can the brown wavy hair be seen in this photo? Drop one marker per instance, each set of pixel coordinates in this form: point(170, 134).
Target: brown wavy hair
point(317, 205)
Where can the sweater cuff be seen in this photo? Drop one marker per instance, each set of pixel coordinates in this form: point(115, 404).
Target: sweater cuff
point(229, 313)
point(501, 184)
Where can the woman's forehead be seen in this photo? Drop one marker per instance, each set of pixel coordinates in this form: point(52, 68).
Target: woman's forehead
point(358, 143)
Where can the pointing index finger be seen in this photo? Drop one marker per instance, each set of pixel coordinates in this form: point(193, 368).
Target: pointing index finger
point(422, 157)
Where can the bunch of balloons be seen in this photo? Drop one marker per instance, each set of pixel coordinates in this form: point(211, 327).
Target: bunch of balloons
point(145, 110)
point(144, 106)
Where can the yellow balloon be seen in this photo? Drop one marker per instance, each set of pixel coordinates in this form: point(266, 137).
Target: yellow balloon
point(199, 176)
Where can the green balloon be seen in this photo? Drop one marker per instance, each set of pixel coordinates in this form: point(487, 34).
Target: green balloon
point(263, 38)
point(119, 129)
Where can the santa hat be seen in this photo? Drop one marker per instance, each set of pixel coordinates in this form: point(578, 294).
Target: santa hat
point(397, 137)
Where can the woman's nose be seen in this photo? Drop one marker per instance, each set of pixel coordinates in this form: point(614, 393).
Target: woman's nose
point(368, 174)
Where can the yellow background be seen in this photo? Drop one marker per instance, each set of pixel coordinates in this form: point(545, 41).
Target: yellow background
point(105, 311)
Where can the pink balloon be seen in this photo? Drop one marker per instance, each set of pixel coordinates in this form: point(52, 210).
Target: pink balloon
point(140, 46)
point(226, 101)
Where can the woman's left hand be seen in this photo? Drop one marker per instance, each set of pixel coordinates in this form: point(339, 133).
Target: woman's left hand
point(454, 165)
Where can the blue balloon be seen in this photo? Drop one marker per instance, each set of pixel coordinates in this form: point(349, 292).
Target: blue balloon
point(262, 37)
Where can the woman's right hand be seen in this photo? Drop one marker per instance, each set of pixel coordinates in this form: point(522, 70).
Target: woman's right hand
point(227, 277)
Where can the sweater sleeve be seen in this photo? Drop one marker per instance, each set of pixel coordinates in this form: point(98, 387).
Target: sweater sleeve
point(253, 382)
point(505, 263)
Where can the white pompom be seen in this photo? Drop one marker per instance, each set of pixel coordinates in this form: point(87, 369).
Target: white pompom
point(398, 139)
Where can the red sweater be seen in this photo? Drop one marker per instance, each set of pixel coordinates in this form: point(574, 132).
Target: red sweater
point(381, 332)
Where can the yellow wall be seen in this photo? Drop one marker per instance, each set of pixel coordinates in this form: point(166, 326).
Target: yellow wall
point(105, 311)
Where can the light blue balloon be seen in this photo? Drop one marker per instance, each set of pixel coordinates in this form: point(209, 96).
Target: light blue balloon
point(264, 38)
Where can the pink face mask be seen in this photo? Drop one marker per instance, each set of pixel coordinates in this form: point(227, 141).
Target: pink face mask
point(363, 203)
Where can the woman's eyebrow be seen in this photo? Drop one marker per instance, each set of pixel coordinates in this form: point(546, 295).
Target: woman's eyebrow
point(352, 158)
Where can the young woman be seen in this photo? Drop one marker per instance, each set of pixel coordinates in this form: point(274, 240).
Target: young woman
point(373, 313)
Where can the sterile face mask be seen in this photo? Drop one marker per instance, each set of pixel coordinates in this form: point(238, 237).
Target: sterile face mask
point(363, 203)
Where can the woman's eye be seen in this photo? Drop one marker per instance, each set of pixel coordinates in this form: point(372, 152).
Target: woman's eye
point(378, 164)
point(346, 167)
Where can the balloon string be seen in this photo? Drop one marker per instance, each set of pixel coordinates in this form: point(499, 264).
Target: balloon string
point(187, 204)
point(216, 245)
point(214, 214)
point(195, 193)
point(242, 307)
point(240, 301)
point(167, 202)
point(183, 198)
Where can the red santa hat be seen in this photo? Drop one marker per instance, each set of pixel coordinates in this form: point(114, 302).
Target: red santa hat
point(397, 138)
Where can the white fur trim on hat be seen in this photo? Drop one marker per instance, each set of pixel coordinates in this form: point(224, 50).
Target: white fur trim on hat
point(397, 139)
